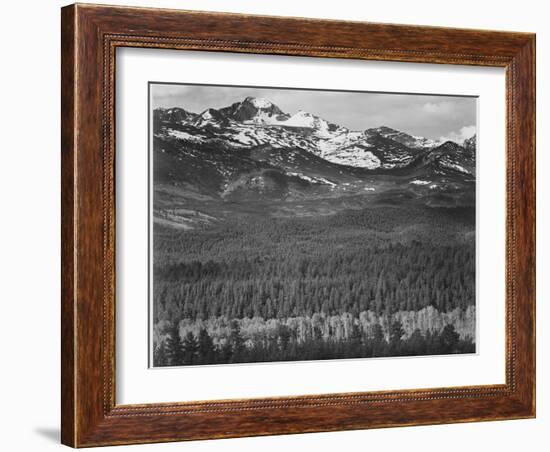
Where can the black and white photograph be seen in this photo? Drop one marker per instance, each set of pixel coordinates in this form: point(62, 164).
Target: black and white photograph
point(298, 224)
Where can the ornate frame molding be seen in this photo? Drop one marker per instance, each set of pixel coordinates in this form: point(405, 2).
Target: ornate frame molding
point(90, 37)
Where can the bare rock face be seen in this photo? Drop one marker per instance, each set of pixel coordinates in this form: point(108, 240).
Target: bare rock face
point(470, 145)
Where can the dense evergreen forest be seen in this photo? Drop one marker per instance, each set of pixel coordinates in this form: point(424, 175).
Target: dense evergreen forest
point(379, 279)
point(382, 261)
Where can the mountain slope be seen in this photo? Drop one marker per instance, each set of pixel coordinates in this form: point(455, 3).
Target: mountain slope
point(410, 141)
point(253, 151)
point(255, 122)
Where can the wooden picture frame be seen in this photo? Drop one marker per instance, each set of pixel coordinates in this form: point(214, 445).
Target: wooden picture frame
point(90, 36)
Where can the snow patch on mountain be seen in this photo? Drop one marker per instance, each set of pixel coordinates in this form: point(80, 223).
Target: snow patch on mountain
point(180, 135)
point(304, 119)
point(341, 139)
point(456, 167)
point(311, 179)
point(412, 141)
point(420, 182)
point(259, 102)
point(354, 156)
point(243, 138)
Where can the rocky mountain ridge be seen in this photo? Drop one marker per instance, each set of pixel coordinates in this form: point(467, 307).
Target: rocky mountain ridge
point(258, 122)
point(252, 150)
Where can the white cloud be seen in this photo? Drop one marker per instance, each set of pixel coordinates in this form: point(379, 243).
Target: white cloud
point(458, 137)
point(439, 108)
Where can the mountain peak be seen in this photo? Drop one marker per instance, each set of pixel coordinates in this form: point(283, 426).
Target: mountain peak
point(209, 113)
point(256, 109)
point(259, 102)
point(412, 141)
point(450, 144)
point(384, 129)
point(470, 143)
point(173, 114)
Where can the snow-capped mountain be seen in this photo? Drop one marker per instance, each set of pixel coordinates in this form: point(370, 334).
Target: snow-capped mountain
point(252, 149)
point(257, 122)
point(253, 110)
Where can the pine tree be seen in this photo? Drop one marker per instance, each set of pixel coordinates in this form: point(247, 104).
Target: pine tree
point(160, 356)
point(284, 336)
point(190, 348)
point(396, 332)
point(226, 352)
point(448, 339)
point(378, 342)
point(355, 339)
point(377, 333)
point(416, 344)
point(174, 348)
point(207, 350)
point(236, 340)
point(355, 335)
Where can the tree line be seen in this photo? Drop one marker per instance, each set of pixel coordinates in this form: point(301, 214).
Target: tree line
point(200, 349)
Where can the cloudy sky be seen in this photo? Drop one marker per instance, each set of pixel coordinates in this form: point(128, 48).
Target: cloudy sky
point(447, 117)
